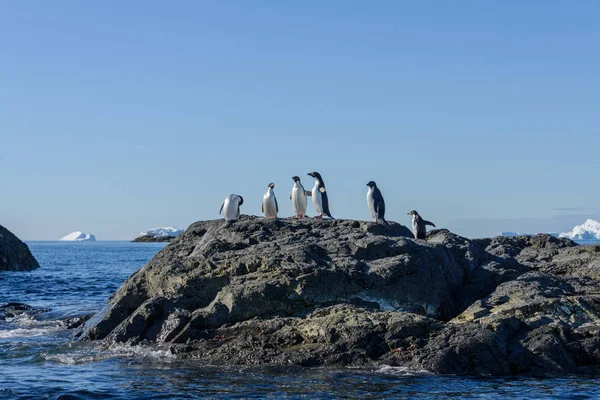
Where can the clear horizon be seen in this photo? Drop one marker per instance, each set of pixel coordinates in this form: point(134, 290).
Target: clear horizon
point(503, 222)
point(120, 117)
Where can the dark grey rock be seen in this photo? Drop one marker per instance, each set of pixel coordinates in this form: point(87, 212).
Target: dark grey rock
point(339, 292)
point(14, 254)
point(12, 310)
point(542, 318)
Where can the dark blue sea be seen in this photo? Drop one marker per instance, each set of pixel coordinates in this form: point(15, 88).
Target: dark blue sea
point(38, 360)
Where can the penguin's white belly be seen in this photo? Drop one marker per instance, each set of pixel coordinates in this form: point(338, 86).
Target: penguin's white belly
point(269, 206)
point(371, 204)
point(299, 202)
point(231, 210)
point(317, 200)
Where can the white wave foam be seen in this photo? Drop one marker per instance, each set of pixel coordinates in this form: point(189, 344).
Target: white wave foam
point(401, 371)
point(97, 353)
point(23, 332)
point(26, 326)
point(73, 358)
point(124, 350)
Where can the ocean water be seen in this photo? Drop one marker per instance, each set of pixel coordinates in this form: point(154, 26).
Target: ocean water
point(39, 360)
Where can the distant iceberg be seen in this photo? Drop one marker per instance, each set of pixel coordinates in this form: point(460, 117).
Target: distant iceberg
point(79, 237)
point(590, 230)
point(508, 234)
point(162, 232)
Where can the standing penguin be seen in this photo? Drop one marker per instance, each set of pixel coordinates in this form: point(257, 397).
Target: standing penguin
point(298, 197)
point(319, 196)
point(269, 205)
point(419, 225)
point(231, 207)
point(375, 202)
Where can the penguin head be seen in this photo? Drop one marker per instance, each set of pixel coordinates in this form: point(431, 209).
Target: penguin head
point(296, 179)
point(315, 175)
point(241, 200)
point(371, 184)
point(271, 185)
point(413, 212)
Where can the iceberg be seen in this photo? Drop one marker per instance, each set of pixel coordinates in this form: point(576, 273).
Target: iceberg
point(589, 230)
point(509, 234)
point(78, 237)
point(162, 232)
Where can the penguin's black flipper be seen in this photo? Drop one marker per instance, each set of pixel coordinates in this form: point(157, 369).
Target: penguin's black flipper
point(276, 205)
point(325, 202)
point(379, 204)
point(221, 210)
point(429, 223)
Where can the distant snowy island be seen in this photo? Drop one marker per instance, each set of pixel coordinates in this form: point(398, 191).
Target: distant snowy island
point(589, 230)
point(78, 236)
point(158, 235)
point(509, 234)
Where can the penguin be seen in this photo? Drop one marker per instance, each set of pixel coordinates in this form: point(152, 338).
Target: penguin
point(269, 205)
point(419, 225)
point(231, 207)
point(298, 198)
point(375, 202)
point(319, 196)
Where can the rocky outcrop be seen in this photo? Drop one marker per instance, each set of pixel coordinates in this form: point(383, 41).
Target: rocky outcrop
point(14, 254)
point(339, 292)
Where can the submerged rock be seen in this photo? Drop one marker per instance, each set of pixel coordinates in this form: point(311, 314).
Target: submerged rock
point(340, 292)
point(14, 254)
point(12, 310)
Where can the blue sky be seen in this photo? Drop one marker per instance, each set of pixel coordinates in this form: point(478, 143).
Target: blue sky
point(117, 117)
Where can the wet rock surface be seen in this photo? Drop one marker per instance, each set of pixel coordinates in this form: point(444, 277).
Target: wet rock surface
point(14, 254)
point(13, 310)
point(340, 292)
